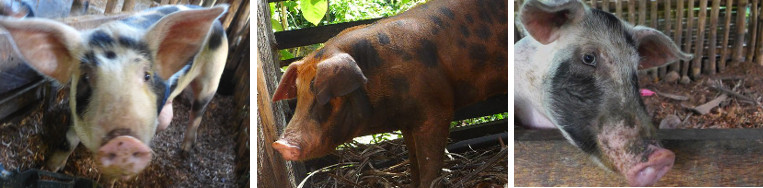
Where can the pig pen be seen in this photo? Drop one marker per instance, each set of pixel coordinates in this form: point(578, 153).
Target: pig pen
point(212, 162)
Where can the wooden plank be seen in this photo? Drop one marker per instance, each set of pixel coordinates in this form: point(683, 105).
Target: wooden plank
point(313, 35)
point(726, 32)
point(110, 6)
point(234, 8)
point(740, 28)
point(699, 162)
point(19, 99)
point(129, 5)
point(759, 48)
point(713, 46)
point(699, 49)
point(685, 65)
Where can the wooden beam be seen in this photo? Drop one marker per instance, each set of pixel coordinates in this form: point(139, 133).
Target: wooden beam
point(704, 157)
point(314, 35)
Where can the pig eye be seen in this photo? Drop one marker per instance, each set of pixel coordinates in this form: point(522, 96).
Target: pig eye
point(86, 77)
point(147, 76)
point(589, 59)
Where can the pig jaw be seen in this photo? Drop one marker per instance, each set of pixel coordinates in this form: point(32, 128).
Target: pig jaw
point(642, 162)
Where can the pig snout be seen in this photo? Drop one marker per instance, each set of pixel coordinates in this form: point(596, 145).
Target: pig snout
point(288, 151)
point(123, 156)
point(647, 173)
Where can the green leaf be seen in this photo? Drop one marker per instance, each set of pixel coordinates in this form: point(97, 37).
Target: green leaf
point(285, 54)
point(276, 24)
point(313, 10)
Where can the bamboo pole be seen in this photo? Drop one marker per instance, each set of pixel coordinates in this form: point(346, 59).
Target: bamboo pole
point(740, 27)
point(678, 35)
point(667, 30)
point(632, 11)
point(710, 67)
point(110, 6)
point(727, 31)
point(696, 69)
point(753, 31)
point(129, 5)
point(164, 2)
point(605, 5)
point(593, 3)
point(688, 43)
point(642, 12)
point(619, 8)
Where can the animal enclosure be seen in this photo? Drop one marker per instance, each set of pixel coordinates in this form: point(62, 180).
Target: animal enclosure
point(33, 110)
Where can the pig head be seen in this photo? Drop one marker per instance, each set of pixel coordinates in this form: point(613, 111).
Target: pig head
point(123, 76)
point(577, 71)
point(407, 72)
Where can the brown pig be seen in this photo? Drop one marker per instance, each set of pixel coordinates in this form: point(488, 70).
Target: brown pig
point(408, 72)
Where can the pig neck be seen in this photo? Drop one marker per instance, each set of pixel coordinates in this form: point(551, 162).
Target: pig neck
point(532, 64)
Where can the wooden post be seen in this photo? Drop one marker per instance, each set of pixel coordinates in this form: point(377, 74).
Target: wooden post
point(605, 5)
point(208, 3)
point(759, 47)
point(593, 4)
point(653, 16)
point(642, 12)
point(685, 65)
point(619, 8)
point(271, 114)
point(165, 2)
point(726, 32)
point(713, 54)
point(677, 35)
point(740, 27)
point(699, 48)
point(129, 5)
point(663, 70)
point(234, 6)
point(110, 6)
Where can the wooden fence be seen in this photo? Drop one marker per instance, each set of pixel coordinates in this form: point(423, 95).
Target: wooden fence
point(720, 33)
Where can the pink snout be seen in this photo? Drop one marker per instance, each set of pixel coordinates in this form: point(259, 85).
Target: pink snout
point(648, 173)
point(123, 156)
point(288, 151)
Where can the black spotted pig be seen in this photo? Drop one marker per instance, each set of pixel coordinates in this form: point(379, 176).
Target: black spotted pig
point(123, 76)
point(407, 72)
point(577, 71)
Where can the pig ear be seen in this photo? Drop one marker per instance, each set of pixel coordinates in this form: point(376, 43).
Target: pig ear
point(337, 76)
point(50, 47)
point(287, 88)
point(656, 49)
point(545, 22)
point(177, 38)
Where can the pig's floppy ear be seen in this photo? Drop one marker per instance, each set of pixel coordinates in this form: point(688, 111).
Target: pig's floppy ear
point(545, 22)
point(337, 76)
point(656, 49)
point(287, 88)
point(178, 37)
point(49, 47)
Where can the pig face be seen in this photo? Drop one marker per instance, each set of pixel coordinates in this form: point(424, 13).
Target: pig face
point(121, 75)
point(590, 86)
point(329, 91)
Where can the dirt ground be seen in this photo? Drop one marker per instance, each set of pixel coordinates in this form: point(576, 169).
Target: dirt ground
point(210, 164)
point(746, 79)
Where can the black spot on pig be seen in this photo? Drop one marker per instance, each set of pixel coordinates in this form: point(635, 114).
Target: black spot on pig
point(383, 38)
point(575, 99)
point(100, 39)
point(469, 18)
point(464, 90)
point(437, 21)
point(462, 43)
point(216, 39)
point(483, 32)
point(614, 23)
point(160, 88)
point(84, 90)
point(168, 10)
point(320, 53)
point(427, 54)
point(485, 17)
point(139, 46)
point(200, 105)
point(116, 133)
point(447, 12)
point(465, 31)
point(478, 54)
point(89, 59)
point(365, 55)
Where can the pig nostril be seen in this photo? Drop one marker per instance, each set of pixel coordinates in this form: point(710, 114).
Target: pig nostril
point(119, 144)
point(136, 154)
point(112, 156)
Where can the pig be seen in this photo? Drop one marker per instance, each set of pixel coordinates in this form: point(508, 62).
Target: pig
point(577, 71)
point(16, 9)
point(408, 72)
point(123, 76)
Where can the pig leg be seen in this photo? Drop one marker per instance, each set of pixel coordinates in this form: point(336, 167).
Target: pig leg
point(202, 97)
point(61, 153)
point(429, 143)
point(410, 143)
